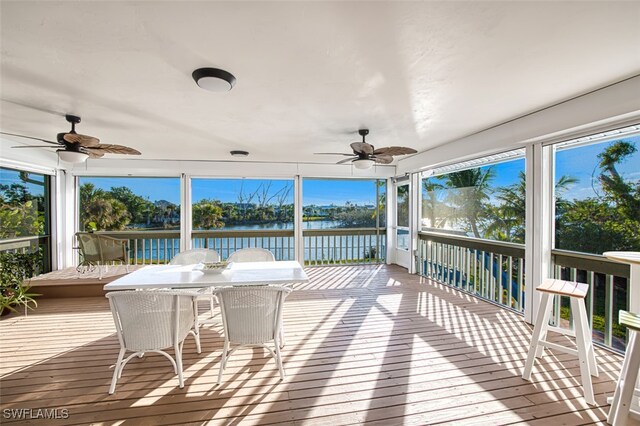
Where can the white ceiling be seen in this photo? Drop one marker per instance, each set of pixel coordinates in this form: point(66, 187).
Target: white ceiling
point(418, 74)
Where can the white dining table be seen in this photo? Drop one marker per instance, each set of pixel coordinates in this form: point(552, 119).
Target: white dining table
point(191, 276)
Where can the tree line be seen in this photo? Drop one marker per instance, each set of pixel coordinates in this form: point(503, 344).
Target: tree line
point(466, 200)
point(119, 208)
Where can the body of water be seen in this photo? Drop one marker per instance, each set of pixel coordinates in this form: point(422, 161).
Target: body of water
point(324, 248)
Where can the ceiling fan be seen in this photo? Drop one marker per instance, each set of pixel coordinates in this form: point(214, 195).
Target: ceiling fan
point(76, 148)
point(365, 155)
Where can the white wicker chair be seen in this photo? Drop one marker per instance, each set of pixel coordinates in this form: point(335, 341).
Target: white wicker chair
point(251, 317)
point(251, 255)
point(151, 321)
point(256, 255)
point(189, 257)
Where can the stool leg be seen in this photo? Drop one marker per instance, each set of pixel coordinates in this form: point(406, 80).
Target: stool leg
point(583, 351)
point(588, 338)
point(540, 329)
point(621, 404)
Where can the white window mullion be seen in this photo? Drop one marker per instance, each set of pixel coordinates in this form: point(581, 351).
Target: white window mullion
point(186, 222)
point(414, 219)
point(539, 223)
point(391, 222)
point(298, 237)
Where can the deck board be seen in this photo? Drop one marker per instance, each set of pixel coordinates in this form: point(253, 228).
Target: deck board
point(365, 344)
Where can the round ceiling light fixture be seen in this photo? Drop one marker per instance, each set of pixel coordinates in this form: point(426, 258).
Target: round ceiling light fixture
point(363, 163)
point(72, 156)
point(214, 79)
point(239, 153)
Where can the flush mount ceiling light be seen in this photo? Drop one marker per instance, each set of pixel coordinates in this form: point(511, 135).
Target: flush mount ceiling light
point(72, 156)
point(363, 163)
point(214, 79)
point(239, 153)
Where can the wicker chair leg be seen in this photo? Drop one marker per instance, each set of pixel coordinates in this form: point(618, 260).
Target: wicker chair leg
point(116, 371)
point(178, 349)
point(279, 360)
point(282, 341)
point(223, 361)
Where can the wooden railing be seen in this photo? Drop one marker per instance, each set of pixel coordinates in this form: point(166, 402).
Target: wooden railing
point(321, 246)
point(19, 244)
point(278, 241)
point(29, 245)
point(492, 270)
point(352, 246)
point(608, 281)
point(495, 271)
point(149, 247)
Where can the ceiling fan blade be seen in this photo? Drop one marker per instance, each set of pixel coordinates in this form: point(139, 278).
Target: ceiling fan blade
point(346, 160)
point(332, 153)
point(83, 140)
point(29, 137)
point(93, 153)
point(383, 159)
point(36, 146)
point(362, 147)
point(394, 150)
point(112, 149)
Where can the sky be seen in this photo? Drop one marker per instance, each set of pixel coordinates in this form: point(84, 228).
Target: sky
point(8, 176)
point(316, 191)
point(580, 163)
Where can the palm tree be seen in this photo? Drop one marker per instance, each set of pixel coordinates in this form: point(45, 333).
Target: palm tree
point(624, 194)
point(432, 206)
point(509, 217)
point(472, 190)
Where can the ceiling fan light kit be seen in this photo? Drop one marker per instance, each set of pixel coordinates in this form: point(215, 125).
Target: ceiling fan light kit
point(214, 79)
point(72, 156)
point(363, 163)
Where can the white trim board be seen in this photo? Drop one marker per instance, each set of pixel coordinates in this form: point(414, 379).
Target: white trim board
point(616, 105)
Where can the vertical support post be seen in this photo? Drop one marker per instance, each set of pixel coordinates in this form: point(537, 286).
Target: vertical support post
point(70, 194)
point(186, 222)
point(298, 238)
point(391, 222)
point(539, 223)
point(54, 218)
point(414, 219)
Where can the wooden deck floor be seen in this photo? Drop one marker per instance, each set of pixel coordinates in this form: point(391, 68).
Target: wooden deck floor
point(364, 344)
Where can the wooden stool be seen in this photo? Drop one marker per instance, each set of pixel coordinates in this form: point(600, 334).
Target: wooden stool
point(576, 292)
point(625, 389)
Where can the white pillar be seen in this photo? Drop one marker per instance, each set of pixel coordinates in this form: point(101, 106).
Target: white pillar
point(414, 218)
point(67, 219)
point(186, 220)
point(391, 221)
point(298, 238)
point(539, 223)
point(55, 220)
